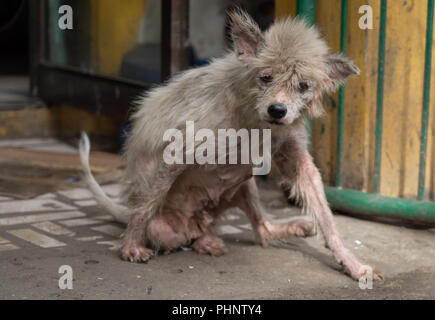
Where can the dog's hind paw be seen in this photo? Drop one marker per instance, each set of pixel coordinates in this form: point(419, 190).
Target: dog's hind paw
point(210, 244)
point(300, 228)
point(274, 231)
point(136, 253)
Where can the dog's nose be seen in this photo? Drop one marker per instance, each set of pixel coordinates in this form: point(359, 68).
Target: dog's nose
point(277, 111)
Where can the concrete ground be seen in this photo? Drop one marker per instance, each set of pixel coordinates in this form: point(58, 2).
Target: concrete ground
point(66, 228)
point(39, 235)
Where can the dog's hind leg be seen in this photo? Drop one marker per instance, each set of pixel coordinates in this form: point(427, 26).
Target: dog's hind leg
point(248, 200)
point(169, 231)
point(149, 192)
point(208, 242)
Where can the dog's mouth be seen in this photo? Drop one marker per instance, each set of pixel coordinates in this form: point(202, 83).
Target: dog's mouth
point(273, 121)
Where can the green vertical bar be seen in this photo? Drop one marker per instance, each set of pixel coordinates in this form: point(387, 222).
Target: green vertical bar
point(426, 100)
point(380, 98)
point(57, 45)
point(341, 95)
point(307, 9)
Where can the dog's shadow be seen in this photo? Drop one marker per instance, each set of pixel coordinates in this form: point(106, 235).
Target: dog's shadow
point(294, 244)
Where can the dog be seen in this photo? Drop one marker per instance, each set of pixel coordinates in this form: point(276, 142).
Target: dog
point(270, 80)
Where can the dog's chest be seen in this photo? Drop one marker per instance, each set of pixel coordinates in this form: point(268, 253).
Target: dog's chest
point(203, 187)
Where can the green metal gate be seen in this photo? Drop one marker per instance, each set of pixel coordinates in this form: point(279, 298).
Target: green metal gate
point(359, 202)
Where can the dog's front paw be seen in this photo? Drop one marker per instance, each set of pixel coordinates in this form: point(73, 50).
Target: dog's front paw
point(135, 253)
point(359, 271)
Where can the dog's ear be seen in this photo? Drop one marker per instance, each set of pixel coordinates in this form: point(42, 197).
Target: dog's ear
point(339, 68)
point(246, 35)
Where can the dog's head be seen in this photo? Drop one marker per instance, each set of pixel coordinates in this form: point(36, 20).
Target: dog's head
point(291, 65)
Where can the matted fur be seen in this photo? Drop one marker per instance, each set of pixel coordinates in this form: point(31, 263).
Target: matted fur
point(173, 205)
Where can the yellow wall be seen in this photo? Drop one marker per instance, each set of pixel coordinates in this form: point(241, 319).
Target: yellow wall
point(114, 28)
point(406, 27)
point(284, 8)
point(64, 121)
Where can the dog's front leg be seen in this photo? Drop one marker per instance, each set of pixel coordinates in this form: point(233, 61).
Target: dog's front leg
point(153, 187)
point(299, 171)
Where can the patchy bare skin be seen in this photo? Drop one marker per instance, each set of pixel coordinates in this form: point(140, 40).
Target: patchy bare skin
point(272, 80)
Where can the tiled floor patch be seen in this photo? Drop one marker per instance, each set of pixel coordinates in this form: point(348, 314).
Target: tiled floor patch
point(14, 220)
point(110, 230)
point(48, 222)
point(227, 229)
point(83, 222)
point(52, 228)
point(90, 238)
point(112, 190)
point(46, 196)
point(113, 245)
point(77, 193)
point(36, 238)
point(85, 203)
point(22, 206)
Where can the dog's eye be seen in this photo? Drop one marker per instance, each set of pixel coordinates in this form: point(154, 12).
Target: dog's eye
point(266, 78)
point(303, 86)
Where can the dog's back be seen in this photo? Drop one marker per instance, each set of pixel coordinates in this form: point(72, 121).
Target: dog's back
point(272, 80)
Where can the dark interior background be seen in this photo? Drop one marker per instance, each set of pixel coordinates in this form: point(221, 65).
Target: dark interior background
point(14, 37)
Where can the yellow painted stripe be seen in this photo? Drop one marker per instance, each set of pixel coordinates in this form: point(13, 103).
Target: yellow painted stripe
point(8, 246)
point(284, 8)
point(109, 229)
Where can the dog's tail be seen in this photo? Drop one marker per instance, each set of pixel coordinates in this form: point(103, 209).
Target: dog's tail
point(119, 212)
